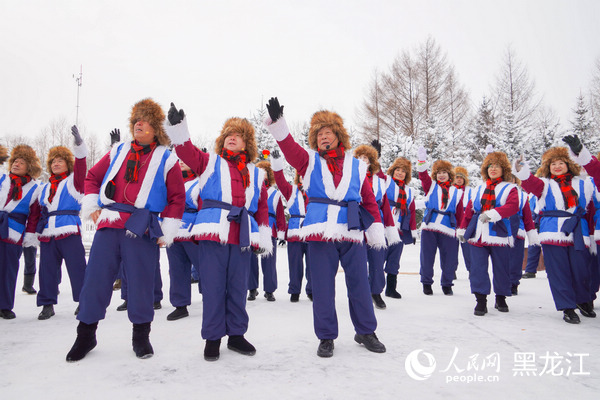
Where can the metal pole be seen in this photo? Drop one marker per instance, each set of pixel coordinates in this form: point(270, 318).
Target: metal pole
point(78, 80)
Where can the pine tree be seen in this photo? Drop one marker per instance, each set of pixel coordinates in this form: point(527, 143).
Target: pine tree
point(264, 139)
point(583, 127)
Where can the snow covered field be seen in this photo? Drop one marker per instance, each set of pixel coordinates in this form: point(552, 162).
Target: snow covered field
point(436, 348)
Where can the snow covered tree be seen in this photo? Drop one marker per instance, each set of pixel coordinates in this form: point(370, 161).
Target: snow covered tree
point(264, 140)
point(583, 126)
point(481, 130)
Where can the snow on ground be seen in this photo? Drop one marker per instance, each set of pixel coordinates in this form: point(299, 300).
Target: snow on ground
point(527, 352)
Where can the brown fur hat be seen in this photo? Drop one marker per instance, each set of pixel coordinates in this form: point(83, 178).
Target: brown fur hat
point(151, 112)
point(62, 152)
point(557, 153)
point(322, 119)
point(463, 173)
point(371, 153)
point(238, 125)
point(403, 163)
point(3, 154)
point(27, 153)
point(500, 158)
point(442, 165)
point(267, 167)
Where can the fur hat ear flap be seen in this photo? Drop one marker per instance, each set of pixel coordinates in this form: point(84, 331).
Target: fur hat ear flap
point(442, 165)
point(403, 163)
point(26, 153)
point(498, 158)
point(61, 152)
point(243, 127)
point(327, 119)
point(151, 112)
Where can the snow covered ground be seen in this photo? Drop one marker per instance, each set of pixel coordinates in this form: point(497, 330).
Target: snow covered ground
point(436, 348)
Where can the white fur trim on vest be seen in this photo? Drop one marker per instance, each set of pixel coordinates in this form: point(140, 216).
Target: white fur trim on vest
point(265, 241)
point(179, 134)
point(482, 231)
point(69, 185)
point(33, 185)
point(279, 129)
point(392, 235)
point(375, 235)
point(31, 240)
point(584, 157)
point(80, 151)
point(169, 227)
point(89, 205)
point(593, 248)
point(277, 164)
point(524, 173)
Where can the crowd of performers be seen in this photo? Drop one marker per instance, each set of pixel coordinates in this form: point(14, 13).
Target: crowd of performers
point(219, 215)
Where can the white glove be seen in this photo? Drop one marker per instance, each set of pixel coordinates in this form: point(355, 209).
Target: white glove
point(484, 218)
point(421, 154)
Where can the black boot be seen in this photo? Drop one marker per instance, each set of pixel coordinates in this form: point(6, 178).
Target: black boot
point(47, 312)
point(514, 290)
point(122, 307)
point(390, 286)
point(269, 296)
point(211, 350)
point(7, 314)
point(239, 344)
point(309, 295)
point(447, 290)
point(28, 284)
point(325, 349)
point(140, 340)
point(379, 303)
point(481, 307)
point(85, 342)
point(570, 316)
point(157, 305)
point(252, 294)
point(587, 310)
point(180, 312)
point(427, 289)
point(295, 297)
point(501, 303)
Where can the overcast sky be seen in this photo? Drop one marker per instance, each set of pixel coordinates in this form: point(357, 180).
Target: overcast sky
point(220, 59)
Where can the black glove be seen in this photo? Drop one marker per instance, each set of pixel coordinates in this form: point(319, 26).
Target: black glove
point(275, 154)
point(375, 143)
point(574, 143)
point(175, 116)
point(115, 136)
point(204, 150)
point(76, 135)
point(275, 110)
point(282, 242)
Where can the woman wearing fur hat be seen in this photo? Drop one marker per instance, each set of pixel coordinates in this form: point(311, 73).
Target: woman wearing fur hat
point(402, 205)
point(277, 223)
point(521, 225)
point(125, 193)
point(376, 256)
point(19, 214)
point(563, 201)
point(442, 211)
point(461, 181)
point(486, 225)
point(234, 220)
point(59, 227)
point(296, 246)
point(341, 210)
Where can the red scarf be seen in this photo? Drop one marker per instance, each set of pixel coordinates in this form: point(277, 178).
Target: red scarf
point(133, 161)
point(18, 183)
point(461, 187)
point(488, 199)
point(240, 161)
point(402, 199)
point(445, 192)
point(188, 176)
point(331, 156)
point(569, 194)
point(370, 176)
point(54, 181)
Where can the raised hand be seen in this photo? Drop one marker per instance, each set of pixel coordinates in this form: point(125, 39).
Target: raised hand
point(377, 146)
point(574, 143)
point(275, 110)
point(76, 135)
point(520, 162)
point(175, 116)
point(421, 154)
point(275, 154)
point(115, 136)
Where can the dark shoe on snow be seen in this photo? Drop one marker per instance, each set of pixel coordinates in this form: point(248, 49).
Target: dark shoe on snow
point(570, 316)
point(371, 342)
point(85, 342)
point(427, 289)
point(378, 301)
point(252, 294)
point(586, 310)
point(238, 343)
point(47, 312)
point(140, 340)
point(269, 296)
point(447, 290)
point(325, 349)
point(295, 297)
point(122, 307)
point(7, 314)
point(211, 350)
point(178, 313)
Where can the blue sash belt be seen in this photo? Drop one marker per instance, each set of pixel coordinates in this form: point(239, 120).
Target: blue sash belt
point(571, 225)
point(236, 214)
point(45, 216)
point(141, 219)
point(4, 216)
point(358, 216)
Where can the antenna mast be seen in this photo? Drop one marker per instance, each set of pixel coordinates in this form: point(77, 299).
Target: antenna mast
point(78, 80)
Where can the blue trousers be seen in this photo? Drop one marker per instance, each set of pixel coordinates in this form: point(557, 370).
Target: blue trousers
point(392, 258)
point(376, 259)
point(479, 276)
point(158, 293)
point(29, 254)
point(466, 252)
point(9, 268)
point(533, 258)
point(139, 257)
point(181, 256)
point(296, 256)
point(430, 242)
point(568, 273)
point(324, 258)
point(52, 253)
point(224, 270)
point(269, 270)
point(595, 277)
point(195, 273)
point(515, 262)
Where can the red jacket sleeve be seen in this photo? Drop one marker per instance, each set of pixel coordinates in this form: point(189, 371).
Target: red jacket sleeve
point(467, 216)
point(413, 216)
point(79, 173)
point(368, 200)
point(94, 177)
point(284, 187)
point(533, 185)
point(294, 154)
point(388, 218)
point(175, 194)
point(527, 218)
point(280, 218)
point(426, 181)
point(262, 213)
point(192, 156)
